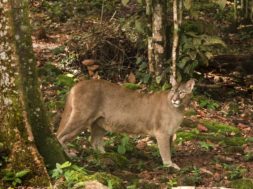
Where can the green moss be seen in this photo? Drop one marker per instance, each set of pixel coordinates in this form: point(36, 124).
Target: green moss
point(214, 126)
point(234, 141)
point(115, 159)
point(213, 137)
point(49, 70)
point(242, 184)
point(187, 135)
point(234, 149)
point(108, 179)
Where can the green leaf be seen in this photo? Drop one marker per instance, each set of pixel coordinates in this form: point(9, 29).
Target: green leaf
point(65, 165)
point(22, 173)
point(214, 40)
point(204, 59)
point(146, 78)
point(131, 86)
point(138, 60)
point(209, 55)
point(124, 140)
point(181, 64)
point(187, 4)
point(17, 181)
point(221, 3)
point(121, 149)
point(158, 79)
point(64, 80)
point(140, 1)
point(165, 86)
point(125, 2)
point(192, 54)
point(139, 26)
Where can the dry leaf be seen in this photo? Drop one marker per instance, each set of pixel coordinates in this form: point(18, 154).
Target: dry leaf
point(88, 62)
point(202, 128)
point(131, 78)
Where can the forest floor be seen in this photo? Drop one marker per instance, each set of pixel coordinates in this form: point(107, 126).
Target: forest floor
point(214, 147)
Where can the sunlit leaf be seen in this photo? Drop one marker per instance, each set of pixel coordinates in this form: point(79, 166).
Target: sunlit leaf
point(213, 40)
point(158, 79)
point(187, 4)
point(183, 62)
point(65, 164)
point(221, 3)
point(121, 149)
point(139, 26)
point(124, 2)
point(22, 173)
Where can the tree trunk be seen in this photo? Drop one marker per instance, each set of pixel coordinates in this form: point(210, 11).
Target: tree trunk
point(23, 120)
point(156, 10)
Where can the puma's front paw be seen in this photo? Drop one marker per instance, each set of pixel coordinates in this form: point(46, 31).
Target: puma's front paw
point(171, 164)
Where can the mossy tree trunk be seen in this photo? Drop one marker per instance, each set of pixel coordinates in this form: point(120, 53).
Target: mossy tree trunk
point(156, 11)
point(24, 128)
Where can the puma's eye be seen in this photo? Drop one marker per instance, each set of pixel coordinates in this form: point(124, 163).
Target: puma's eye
point(173, 90)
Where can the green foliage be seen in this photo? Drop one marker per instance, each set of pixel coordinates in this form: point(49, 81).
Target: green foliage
point(58, 50)
point(242, 184)
point(125, 2)
point(124, 145)
point(186, 135)
point(65, 80)
point(142, 73)
point(217, 127)
point(108, 179)
point(60, 168)
point(62, 10)
point(49, 72)
point(15, 178)
point(193, 176)
point(206, 146)
point(72, 174)
point(172, 182)
point(131, 86)
point(236, 172)
point(208, 103)
point(196, 50)
point(248, 156)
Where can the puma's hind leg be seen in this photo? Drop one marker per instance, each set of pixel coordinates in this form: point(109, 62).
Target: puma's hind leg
point(73, 126)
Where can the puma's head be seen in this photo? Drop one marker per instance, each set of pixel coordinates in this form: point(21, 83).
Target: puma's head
point(180, 94)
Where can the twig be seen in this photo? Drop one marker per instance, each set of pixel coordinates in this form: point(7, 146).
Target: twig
point(113, 16)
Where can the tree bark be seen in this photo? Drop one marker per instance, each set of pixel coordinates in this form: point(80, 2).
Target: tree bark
point(23, 120)
point(156, 10)
point(175, 38)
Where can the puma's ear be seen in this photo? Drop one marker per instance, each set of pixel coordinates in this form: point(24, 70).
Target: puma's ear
point(190, 84)
point(173, 81)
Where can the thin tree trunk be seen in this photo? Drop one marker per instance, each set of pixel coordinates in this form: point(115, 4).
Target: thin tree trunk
point(23, 121)
point(175, 38)
point(158, 34)
point(156, 10)
point(150, 46)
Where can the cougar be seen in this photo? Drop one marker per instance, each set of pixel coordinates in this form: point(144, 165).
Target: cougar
point(103, 106)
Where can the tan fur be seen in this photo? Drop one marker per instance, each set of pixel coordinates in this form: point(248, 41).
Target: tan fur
point(103, 106)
